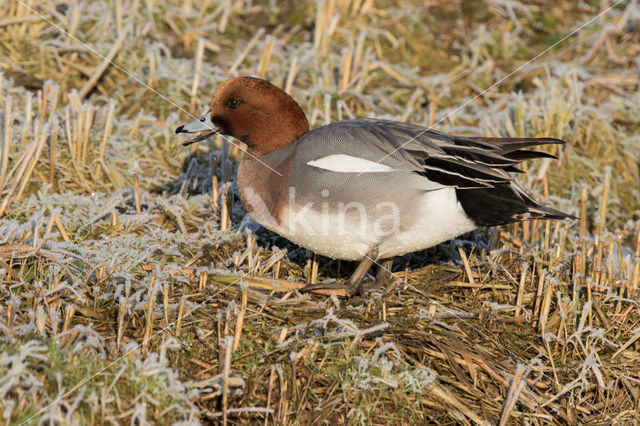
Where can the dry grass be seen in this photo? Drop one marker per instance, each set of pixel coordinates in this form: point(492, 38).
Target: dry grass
point(133, 288)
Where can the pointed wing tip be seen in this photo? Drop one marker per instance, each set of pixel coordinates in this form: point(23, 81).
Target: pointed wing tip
point(556, 141)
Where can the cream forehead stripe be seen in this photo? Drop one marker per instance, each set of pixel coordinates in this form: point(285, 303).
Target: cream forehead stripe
point(347, 164)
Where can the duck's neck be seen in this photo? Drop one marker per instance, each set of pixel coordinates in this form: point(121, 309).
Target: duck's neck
point(272, 133)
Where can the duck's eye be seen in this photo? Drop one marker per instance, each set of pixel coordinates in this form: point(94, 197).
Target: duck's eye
point(233, 103)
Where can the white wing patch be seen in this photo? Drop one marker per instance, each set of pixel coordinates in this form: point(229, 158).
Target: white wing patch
point(347, 164)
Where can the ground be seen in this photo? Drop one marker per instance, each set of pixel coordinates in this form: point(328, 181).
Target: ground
point(131, 292)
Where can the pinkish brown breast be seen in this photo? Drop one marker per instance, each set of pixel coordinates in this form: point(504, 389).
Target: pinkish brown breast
point(264, 189)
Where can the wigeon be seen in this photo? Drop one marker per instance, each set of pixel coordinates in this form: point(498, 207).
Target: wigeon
point(365, 189)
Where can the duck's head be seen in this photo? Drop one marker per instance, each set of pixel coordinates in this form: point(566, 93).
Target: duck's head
point(253, 111)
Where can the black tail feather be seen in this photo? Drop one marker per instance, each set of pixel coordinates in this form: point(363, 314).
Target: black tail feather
point(502, 204)
point(508, 145)
point(522, 155)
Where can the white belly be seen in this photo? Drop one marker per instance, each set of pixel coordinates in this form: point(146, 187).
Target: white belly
point(440, 217)
point(433, 218)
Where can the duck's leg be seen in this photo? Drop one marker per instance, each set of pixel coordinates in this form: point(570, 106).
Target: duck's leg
point(355, 282)
point(382, 277)
point(384, 271)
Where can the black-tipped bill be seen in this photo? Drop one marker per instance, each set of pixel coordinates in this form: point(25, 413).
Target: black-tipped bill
point(202, 126)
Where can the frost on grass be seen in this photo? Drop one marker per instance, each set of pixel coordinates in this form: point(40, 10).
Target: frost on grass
point(66, 272)
point(114, 232)
point(46, 377)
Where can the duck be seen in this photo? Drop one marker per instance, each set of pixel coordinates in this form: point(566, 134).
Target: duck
point(365, 189)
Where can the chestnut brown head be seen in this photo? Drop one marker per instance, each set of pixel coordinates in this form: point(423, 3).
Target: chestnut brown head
point(256, 112)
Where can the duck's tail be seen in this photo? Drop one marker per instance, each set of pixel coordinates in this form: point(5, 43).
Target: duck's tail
point(506, 202)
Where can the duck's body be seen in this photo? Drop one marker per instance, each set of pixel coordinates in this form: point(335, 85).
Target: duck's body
point(366, 188)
